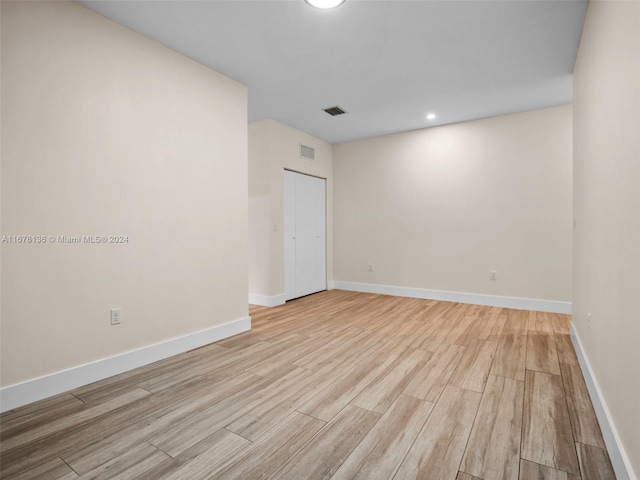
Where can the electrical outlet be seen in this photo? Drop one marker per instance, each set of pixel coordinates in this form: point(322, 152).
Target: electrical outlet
point(370, 267)
point(493, 275)
point(116, 316)
point(589, 321)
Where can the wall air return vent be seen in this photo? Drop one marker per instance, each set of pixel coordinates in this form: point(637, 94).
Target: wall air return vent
point(307, 152)
point(333, 111)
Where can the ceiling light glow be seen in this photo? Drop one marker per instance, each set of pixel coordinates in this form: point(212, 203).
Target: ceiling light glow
point(325, 4)
point(431, 116)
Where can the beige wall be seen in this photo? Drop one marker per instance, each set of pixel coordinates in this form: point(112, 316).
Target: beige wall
point(606, 274)
point(440, 208)
point(274, 147)
point(106, 132)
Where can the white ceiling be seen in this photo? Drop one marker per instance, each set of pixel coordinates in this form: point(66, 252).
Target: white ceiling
point(387, 63)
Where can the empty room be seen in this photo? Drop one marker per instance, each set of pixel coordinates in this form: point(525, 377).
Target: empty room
point(320, 239)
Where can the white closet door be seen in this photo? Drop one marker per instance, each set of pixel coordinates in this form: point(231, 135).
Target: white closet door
point(305, 235)
point(289, 235)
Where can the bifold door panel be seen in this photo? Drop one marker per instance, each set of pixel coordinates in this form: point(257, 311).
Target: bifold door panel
point(305, 234)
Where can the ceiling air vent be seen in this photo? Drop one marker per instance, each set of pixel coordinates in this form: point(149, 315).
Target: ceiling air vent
point(333, 111)
point(307, 152)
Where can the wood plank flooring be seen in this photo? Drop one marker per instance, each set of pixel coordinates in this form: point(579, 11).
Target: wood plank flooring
point(338, 385)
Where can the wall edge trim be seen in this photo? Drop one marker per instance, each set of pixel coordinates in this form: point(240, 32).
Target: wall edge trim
point(552, 306)
point(615, 448)
point(266, 301)
point(20, 394)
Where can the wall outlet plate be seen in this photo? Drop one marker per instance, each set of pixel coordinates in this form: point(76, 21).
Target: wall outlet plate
point(116, 316)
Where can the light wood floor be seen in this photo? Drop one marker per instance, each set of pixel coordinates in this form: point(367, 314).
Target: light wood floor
point(337, 385)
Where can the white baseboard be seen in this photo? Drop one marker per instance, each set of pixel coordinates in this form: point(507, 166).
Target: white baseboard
point(265, 301)
point(20, 394)
point(473, 298)
point(617, 454)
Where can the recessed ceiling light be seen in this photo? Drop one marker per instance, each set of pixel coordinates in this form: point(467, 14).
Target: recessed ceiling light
point(325, 4)
point(431, 116)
